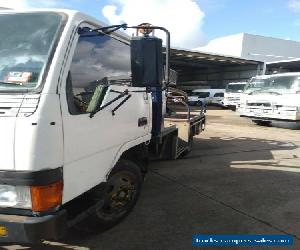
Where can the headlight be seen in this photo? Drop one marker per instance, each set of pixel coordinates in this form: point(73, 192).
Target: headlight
point(18, 197)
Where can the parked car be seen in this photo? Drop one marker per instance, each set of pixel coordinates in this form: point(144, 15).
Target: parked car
point(206, 97)
point(217, 98)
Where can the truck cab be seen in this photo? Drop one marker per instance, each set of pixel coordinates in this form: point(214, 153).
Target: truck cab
point(233, 94)
point(270, 98)
point(76, 125)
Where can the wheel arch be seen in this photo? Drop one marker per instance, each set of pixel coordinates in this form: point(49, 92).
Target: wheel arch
point(136, 151)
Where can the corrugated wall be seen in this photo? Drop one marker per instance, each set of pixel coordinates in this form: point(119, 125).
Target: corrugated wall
point(216, 77)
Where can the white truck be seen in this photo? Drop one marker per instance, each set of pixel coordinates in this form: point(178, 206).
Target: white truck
point(233, 94)
point(270, 98)
point(81, 113)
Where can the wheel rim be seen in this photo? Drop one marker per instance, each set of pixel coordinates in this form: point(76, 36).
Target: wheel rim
point(120, 194)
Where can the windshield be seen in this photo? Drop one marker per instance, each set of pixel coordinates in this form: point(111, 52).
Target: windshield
point(25, 44)
point(202, 94)
point(235, 88)
point(275, 84)
point(219, 95)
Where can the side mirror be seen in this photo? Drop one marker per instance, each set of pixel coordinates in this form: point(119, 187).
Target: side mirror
point(146, 61)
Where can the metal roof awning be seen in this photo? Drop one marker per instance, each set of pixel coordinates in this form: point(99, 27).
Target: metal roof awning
point(285, 63)
point(292, 65)
point(294, 60)
point(195, 59)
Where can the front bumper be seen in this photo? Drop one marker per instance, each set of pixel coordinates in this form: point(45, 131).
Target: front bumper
point(231, 104)
point(28, 230)
point(270, 114)
point(232, 107)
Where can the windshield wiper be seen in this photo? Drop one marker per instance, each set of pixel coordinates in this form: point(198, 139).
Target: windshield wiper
point(86, 31)
point(11, 83)
point(273, 92)
point(122, 94)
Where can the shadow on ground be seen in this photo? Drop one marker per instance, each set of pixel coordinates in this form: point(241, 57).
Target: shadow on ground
point(226, 185)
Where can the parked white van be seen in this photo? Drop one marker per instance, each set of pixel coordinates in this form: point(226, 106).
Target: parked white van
point(207, 96)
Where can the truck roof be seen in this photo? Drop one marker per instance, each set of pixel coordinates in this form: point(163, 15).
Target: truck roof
point(280, 74)
point(236, 83)
point(72, 14)
point(29, 10)
point(209, 90)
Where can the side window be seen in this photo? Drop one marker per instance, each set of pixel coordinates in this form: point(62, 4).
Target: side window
point(219, 94)
point(203, 94)
point(97, 61)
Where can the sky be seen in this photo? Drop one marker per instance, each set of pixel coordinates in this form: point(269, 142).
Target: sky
point(192, 23)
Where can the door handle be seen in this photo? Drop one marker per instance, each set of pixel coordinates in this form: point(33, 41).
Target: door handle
point(143, 121)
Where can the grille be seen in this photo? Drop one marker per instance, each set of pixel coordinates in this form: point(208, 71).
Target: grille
point(18, 105)
point(259, 104)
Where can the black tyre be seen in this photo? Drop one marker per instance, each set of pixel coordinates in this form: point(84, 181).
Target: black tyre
point(120, 195)
point(262, 123)
point(203, 126)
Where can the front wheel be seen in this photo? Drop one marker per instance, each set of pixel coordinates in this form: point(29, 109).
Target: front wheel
point(262, 123)
point(120, 195)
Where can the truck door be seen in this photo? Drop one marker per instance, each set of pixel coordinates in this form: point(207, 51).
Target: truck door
point(91, 144)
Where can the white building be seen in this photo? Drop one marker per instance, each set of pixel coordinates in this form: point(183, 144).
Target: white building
point(254, 47)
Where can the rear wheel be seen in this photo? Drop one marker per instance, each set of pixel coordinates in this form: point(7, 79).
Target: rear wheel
point(120, 195)
point(203, 126)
